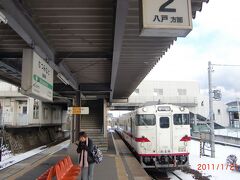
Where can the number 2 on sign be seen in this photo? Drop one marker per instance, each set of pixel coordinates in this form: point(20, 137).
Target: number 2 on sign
point(163, 8)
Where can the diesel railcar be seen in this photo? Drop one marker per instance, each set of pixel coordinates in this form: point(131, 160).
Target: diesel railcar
point(159, 135)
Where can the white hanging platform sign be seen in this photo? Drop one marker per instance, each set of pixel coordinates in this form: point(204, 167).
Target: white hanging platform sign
point(37, 77)
point(165, 18)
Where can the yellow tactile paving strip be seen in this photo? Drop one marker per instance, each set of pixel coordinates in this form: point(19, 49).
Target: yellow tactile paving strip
point(121, 172)
point(125, 160)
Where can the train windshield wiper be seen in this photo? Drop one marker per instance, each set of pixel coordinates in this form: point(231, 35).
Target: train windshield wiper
point(144, 123)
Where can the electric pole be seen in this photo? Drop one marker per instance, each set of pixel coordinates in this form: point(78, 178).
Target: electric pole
point(212, 137)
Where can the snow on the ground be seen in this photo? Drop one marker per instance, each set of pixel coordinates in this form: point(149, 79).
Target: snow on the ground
point(228, 132)
point(220, 158)
point(19, 157)
point(180, 174)
point(6, 153)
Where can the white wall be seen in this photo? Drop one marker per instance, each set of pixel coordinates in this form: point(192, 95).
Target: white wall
point(170, 92)
point(203, 109)
point(197, 103)
point(12, 108)
point(7, 87)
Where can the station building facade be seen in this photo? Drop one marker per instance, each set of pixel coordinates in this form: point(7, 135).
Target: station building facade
point(24, 116)
point(19, 110)
point(234, 112)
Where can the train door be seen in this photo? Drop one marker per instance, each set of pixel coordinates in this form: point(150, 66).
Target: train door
point(164, 135)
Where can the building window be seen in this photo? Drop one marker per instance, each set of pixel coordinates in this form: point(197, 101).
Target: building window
point(219, 111)
point(24, 109)
point(235, 115)
point(182, 92)
point(45, 113)
point(55, 113)
point(136, 91)
point(35, 112)
point(158, 92)
point(36, 109)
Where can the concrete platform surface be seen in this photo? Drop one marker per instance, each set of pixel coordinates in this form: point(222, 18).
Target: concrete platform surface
point(118, 163)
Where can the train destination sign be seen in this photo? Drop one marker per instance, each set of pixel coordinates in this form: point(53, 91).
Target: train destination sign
point(37, 77)
point(166, 18)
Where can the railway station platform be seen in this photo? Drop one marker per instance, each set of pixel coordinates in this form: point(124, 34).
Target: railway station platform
point(118, 162)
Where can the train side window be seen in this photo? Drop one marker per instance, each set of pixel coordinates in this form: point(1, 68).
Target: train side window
point(164, 122)
point(145, 120)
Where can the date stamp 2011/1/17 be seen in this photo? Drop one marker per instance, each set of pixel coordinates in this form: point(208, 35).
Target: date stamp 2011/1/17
point(203, 167)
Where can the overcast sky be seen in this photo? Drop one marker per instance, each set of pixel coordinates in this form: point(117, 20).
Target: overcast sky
point(215, 37)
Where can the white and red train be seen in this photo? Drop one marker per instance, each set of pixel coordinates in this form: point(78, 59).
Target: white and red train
point(158, 134)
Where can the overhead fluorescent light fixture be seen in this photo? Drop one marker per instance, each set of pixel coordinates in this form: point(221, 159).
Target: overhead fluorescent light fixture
point(63, 79)
point(3, 18)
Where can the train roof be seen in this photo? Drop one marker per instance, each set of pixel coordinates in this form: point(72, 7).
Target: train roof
point(161, 109)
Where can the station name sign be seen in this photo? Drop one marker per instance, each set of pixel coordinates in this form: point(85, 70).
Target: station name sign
point(78, 110)
point(37, 77)
point(165, 18)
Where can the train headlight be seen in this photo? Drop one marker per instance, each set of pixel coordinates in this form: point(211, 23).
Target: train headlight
point(144, 109)
point(146, 159)
point(182, 108)
point(183, 158)
point(166, 158)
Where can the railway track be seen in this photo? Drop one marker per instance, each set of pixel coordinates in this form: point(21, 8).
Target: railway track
point(157, 174)
point(176, 175)
point(161, 175)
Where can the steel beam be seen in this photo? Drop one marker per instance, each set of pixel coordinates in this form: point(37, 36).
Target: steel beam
point(64, 69)
point(85, 87)
point(20, 21)
point(78, 117)
point(121, 17)
point(10, 70)
point(60, 56)
point(107, 55)
point(10, 80)
point(10, 55)
point(95, 87)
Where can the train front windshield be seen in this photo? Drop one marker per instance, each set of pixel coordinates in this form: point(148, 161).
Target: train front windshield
point(181, 119)
point(145, 120)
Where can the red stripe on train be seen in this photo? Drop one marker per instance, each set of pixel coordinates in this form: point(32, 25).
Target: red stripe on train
point(186, 138)
point(174, 154)
point(142, 139)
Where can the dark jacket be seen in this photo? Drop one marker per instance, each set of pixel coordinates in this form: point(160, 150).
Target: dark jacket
point(82, 146)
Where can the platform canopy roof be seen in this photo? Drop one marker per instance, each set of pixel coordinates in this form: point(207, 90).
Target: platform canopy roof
point(95, 44)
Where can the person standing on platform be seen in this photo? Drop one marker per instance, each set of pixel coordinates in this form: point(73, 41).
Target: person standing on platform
point(86, 160)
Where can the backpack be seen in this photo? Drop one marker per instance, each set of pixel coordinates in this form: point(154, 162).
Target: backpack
point(97, 154)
